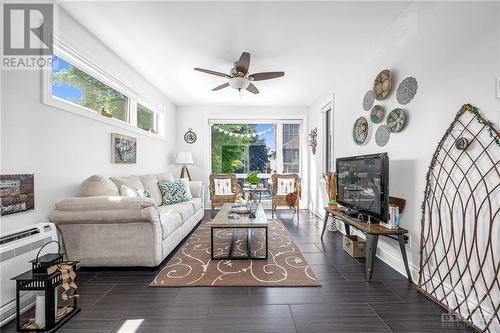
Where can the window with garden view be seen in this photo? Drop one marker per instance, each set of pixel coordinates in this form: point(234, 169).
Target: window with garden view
point(72, 85)
point(266, 148)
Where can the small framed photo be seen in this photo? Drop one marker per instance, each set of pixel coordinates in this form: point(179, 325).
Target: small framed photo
point(123, 149)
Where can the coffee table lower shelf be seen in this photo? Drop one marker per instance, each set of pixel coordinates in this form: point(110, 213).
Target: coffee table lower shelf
point(230, 255)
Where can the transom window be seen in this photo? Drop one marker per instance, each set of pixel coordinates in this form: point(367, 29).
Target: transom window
point(75, 86)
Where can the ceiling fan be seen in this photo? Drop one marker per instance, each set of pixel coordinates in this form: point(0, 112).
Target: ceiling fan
point(239, 78)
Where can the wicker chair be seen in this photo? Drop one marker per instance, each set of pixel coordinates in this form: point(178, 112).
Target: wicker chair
point(280, 199)
point(219, 200)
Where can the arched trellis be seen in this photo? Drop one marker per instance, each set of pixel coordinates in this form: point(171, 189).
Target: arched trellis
point(460, 227)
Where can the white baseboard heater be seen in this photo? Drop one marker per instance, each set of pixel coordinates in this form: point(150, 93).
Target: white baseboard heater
point(17, 248)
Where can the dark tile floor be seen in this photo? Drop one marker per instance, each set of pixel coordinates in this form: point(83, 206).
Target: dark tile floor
point(121, 301)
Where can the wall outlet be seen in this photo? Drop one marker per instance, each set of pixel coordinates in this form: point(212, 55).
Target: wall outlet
point(408, 240)
point(498, 87)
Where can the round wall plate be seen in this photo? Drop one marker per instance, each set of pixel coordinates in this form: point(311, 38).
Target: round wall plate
point(377, 114)
point(368, 100)
point(407, 90)
point(382, 85)
point(396, 120)
point(382, 135)
point(360, 130)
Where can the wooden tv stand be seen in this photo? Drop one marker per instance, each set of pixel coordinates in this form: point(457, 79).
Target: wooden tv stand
point(372, 232)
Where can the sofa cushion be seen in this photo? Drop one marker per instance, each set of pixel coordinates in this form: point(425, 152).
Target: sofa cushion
point(97, 186)
point(173, 191)
point(164, 176)
point(196, 203)
point(185, 209)
point(169, 223)
point(130, 181)
point(150, 183)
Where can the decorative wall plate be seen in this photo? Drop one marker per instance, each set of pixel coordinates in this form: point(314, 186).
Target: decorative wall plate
point(382, 85)
point(396, 120)
point(407, 90)
point(368, 100)
point(382, 135)
point(190, 136)
point(377, 114)
point(360, 130)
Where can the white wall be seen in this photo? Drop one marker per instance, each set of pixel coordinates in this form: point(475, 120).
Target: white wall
point(452, 49)
point(61, 148)
point(197, 118)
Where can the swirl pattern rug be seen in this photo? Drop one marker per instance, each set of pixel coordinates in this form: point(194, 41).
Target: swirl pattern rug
point(192, 266)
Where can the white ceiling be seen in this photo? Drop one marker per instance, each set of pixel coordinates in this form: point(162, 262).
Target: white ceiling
point(314, 43)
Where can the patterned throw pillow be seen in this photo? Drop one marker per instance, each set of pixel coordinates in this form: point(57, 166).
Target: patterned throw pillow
point(285, 186)
point(173, 191)
point(223, 187)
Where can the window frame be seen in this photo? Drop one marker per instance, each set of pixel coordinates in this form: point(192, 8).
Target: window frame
point(328, 163)
point(80, 61)
point(279, 140)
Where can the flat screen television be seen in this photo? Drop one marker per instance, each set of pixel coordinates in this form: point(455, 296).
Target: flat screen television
point(363, 184)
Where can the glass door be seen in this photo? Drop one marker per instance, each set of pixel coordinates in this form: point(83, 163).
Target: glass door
point(267, 148)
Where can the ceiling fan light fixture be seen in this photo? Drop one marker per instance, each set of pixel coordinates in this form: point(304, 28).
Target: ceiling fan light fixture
point(239, 83)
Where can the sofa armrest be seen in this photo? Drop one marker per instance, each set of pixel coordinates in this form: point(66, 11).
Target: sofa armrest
point(104, 209)
point(196, 188)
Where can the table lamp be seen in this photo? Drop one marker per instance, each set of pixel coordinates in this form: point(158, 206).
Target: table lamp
point(184, 158)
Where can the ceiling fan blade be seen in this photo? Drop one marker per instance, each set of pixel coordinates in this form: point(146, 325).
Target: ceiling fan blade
point(253, 89)
point(266, 76)
point(244, 63)
point(211, 72)
point(222, 86)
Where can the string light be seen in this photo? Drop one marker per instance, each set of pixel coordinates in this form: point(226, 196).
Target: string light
point(242, 135)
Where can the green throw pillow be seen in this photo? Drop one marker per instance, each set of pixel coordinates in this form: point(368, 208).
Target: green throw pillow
point(173, 191)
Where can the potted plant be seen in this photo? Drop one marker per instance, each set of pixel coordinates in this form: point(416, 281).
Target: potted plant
point(332, 203)
point(106, 113)
point(253, 179)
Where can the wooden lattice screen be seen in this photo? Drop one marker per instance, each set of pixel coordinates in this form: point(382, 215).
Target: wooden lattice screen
point(460, 231)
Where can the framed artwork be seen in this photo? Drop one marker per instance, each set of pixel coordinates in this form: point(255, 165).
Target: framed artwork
point(123, 149)
point(17, 193)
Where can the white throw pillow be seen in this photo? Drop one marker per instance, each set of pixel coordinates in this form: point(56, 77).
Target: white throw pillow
point(223, 187)
point(188, 192)
point(286, 186)
point(126, 191)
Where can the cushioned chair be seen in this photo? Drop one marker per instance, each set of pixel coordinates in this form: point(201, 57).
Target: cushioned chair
point(223, 189)
point(282, 184)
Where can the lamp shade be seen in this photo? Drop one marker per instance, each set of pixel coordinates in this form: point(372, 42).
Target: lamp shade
point(184, 157)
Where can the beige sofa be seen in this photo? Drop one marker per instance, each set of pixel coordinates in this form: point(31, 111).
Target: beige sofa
point(102, 228)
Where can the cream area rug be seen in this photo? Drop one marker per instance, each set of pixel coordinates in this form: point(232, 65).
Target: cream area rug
point(192, 265)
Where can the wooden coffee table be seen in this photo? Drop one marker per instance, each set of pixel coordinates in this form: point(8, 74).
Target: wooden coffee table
point(221, 221)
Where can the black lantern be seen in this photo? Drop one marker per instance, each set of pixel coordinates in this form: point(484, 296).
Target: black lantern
point(49, 316)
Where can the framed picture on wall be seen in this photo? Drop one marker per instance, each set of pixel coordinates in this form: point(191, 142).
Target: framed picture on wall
point(17, 193)
point(123, 149)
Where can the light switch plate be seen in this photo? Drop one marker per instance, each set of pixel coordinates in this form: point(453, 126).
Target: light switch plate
point(498, 87)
